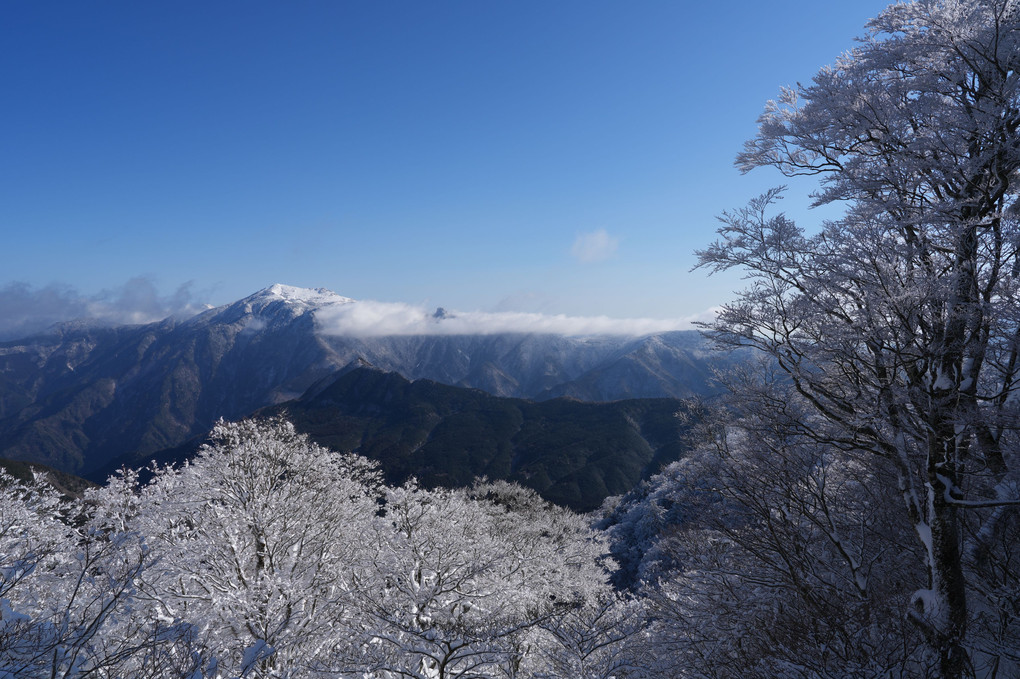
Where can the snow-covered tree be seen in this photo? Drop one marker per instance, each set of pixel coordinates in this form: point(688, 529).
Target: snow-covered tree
point(464, 577)
point(603, 638)
point(898, 325)
point(67, 594)
point(638, 525)
point(803, 569)
point(268, 556)
point(259, 542)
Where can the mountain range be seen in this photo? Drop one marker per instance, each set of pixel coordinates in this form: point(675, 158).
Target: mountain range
point(80, 395)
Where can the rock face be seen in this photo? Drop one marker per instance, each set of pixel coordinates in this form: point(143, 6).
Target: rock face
point(80, 395)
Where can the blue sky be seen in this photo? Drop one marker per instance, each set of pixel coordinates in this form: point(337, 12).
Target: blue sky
point(555, 157)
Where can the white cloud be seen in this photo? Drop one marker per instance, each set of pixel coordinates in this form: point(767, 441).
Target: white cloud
point(595, 246)
point(707, 316)
point(367, 318)
point(25, 310)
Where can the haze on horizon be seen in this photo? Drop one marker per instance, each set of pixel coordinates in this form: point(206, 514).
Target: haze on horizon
point(549, 160)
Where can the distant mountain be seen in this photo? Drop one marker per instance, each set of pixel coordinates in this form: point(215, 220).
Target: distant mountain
point(80, 395)
point(574, 453)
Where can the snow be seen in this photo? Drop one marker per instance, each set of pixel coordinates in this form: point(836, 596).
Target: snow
point(926, 601)
point(943, 383)
point(255, 653)
point(924, 534)
point(315, 297)
point(9, 616)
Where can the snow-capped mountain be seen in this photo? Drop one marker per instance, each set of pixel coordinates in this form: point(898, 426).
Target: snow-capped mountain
point(80, 395)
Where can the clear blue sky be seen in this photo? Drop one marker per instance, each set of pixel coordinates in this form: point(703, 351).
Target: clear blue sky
point(553, 156)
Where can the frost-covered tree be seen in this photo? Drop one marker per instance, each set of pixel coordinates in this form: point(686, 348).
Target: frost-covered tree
point(803, 569)
point(463, 578)
point(269, 556)
point(638, 525)
point(67, 594)
point(259, 542)
point(898, 325)
point(603, 638)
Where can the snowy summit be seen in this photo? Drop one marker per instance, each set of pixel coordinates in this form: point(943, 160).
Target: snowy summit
point(295, 301)
point(312, 297)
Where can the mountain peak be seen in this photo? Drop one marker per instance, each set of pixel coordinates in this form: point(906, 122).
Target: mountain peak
point(281, 302)
point(315, 297)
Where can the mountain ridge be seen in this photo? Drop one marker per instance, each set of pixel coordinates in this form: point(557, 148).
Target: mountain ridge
point(574, 453)
point(78, 396)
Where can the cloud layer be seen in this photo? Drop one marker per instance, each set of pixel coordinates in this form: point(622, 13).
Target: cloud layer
point(595, 246)
point(373, 319)
point(25, 310)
